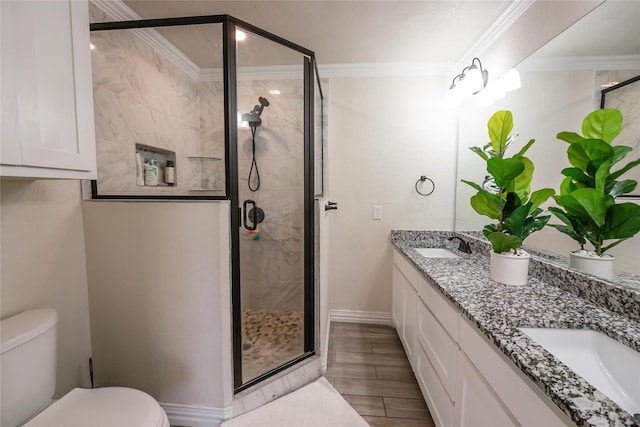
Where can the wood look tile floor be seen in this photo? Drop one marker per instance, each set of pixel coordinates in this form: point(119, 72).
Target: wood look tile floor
point(368, 366)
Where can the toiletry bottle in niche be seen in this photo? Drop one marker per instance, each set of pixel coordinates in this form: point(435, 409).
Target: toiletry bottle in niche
point(170, 173)
point(151, 174)
point(139, 169)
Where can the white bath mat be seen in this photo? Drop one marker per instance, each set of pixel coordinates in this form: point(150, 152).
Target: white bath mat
point(314, 405)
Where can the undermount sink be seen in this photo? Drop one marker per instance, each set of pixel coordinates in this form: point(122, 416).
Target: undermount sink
point(436, 253)
point(609, 366)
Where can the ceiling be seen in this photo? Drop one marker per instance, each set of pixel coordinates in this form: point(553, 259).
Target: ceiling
point(339, 32)
point(612, 29)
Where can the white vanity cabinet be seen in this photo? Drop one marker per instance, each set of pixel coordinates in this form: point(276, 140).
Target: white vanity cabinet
point(466, 382)
point(46, 90)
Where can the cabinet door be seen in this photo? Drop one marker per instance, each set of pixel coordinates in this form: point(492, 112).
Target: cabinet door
point(476, 403)
point(49, 98)
point(403, 311)
point(397, 300)
point(409, 331)
point(441, 350)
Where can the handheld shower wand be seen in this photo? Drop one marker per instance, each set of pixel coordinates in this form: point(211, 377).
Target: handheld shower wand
point(254, 120)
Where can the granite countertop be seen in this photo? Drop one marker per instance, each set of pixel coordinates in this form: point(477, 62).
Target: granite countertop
point(499, 310)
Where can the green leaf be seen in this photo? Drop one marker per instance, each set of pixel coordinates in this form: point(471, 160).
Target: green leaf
point(534, 223)
point(601, 175)
point(500, 126)
point(518, 218)
point(479, 152)
point(604, 124)
point(521, 184)
point(569, 137)
point(621, 187)
point(564, 229)
point(473, 184)
point(540, 196)
point(592, 151)
point(625, 169)
point(567, 186)
point(620, 152)
point(489, 228)
point(577, 175)
point(504, 170)
point(587, 204)
point(623, 221)
point(504, 242)
point(484, 205)
point(512, 202)
point(525, 148)
point(571, 227)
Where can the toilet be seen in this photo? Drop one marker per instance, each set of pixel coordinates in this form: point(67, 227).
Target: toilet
point(28, 372)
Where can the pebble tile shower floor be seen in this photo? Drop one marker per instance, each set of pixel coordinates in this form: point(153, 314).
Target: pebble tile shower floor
point(270, 338)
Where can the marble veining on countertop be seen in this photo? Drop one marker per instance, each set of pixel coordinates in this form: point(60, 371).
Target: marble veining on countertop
point(498, 310)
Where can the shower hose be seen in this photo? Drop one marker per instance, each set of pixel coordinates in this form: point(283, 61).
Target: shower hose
point(254, 164)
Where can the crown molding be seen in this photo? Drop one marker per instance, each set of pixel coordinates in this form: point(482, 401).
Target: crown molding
point(386, 69)
point(117, 10)
point(503, 19)
point(581, 63)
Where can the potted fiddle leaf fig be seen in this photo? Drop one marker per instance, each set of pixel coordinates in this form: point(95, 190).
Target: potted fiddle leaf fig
point(506, 198)
point(587, 199)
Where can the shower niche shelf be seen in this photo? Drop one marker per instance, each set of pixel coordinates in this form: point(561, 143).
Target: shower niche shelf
point(207, 177)
point(203, 158)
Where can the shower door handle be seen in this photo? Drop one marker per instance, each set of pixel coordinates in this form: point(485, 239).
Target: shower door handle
point(246, 214)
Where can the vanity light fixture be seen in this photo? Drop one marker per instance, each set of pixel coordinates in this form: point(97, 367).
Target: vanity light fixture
point(240, 35)
point(496, 90)
point(470, 81)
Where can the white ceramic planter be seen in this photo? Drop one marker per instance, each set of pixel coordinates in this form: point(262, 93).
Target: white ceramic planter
point(592, 264)
point(510, 269)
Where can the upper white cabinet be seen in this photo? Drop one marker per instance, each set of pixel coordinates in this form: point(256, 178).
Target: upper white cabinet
point(47, 95)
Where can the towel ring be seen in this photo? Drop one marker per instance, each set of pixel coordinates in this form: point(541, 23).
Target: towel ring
point(423, 179)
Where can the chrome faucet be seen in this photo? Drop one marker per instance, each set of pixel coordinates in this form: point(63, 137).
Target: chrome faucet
point(464, 246)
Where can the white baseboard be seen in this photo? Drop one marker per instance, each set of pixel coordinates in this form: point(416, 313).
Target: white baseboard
point(196, 416)
point(353, 316)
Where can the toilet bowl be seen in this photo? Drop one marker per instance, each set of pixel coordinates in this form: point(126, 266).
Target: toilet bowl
point(102, 407)
point(27, 368)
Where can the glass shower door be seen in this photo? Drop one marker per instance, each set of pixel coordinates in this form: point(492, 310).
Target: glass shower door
point(271, 190)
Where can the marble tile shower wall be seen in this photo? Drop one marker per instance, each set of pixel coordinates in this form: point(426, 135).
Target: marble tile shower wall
point(273, 267)
point(140, 97)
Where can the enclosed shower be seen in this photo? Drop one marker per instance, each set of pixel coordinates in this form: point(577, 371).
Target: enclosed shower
point(233, 121)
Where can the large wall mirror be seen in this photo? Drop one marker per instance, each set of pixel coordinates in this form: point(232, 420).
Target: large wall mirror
point(561, 84)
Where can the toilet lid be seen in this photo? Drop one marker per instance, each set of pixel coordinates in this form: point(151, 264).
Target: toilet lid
point(102, 407)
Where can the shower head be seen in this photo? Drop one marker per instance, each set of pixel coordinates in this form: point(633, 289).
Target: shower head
point(253, 117)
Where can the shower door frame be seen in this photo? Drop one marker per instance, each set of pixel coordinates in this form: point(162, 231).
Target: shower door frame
point(310, 72)
point(230, 55)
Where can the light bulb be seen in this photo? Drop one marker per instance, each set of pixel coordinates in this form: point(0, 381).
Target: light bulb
point(483, 99)
point(510, 81)
point(240, 35)
point(474, 80)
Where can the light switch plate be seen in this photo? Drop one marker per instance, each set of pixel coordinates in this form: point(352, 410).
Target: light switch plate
point(377, 212)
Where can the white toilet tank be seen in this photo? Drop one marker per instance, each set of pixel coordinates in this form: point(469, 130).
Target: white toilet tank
point(27, 364)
